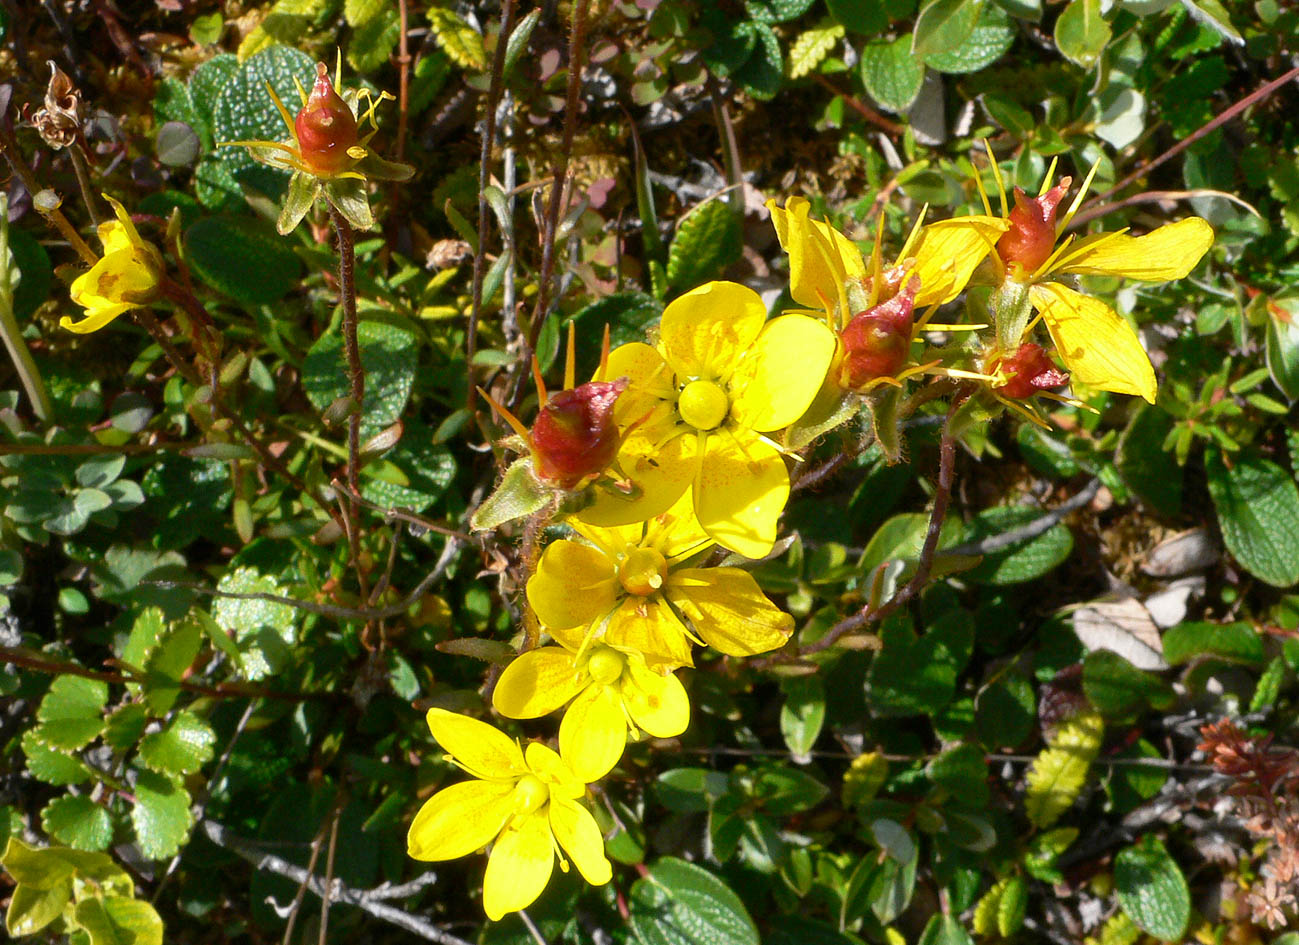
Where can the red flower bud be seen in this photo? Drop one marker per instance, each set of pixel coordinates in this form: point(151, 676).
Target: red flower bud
point(1031, 236)
point(1027, 371)
point(574, 435)
point(877, 342)
point(326, 127)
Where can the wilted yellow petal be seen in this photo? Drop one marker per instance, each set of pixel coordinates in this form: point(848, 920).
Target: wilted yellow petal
point(537, 682)
point(781, 373)
point(484, 751)
point(821, 259)
point(519, 867)
point(97, 316)
point(580, 837)
point(574, 585)
point(460, 819)
point(947, 254)
point(593, 733)
point(704, 332)
point(657, 703)
point(1168, 253)
point(729, 610)
point(659, 472)
point(646, 625)
point(115, 237)
point(741, 490)
point(1098, 347)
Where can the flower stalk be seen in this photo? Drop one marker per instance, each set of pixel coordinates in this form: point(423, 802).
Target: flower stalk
point(28, 373)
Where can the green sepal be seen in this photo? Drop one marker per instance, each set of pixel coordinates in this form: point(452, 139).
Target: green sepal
point(377, 168)
point(347, 195)
point(302, 194)
point(831, 407)
point(519, 495)
point(884, 420)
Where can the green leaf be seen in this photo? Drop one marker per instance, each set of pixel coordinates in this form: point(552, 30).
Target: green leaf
point(1081, 32)
point(1236, 642)
point(125, 726)
point(351, 198)
point(734, 41)
point(690, 790)
point(964, 773)
point(264, 630)
point(776, 11)
point(1004, 713)
point(428, 471)
point(31, 276)
point(169, 662)
point(242, 258)
point(183, 747)
point(910, 676)
point(161, 815)
point(51, 765)
point(803, 712)
point(1058, 774)
point(1152, 890)
point(945, 930)
point(287, 22)
point(32, 909)
point(891, 73)
point(762, 74)
point(518, 41)
point(707, 240)
point(678, 903)
point(71, 714)
point(1258, 510)
point(389, 357)
point(990, 39)
point(1026, 559)
point(458, 39)
point(118, 920)
point(78, 821)
point(1269, 685)
point(1283, 345)
point(244, 110)
point(1145, 466)
point(864, 17)
point(1214, 15)
point(943, 25)
point(810, 49)
point(1119, 690)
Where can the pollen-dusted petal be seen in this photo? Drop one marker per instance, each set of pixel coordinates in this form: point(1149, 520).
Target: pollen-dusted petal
point(1098, 347)
point(580, 837)
point(593, 733)
point(647, 625)
point(658, 472)
point(657, 702)
point(741, 490)
point(947, 254)
point(821, 259)
point(704, 332)
point(519, 867)
point(729, 610)
point(537, 682)
point(1168, 253)
point(574, 585)
point(460, 819)
point(781, 373)
point(486, 752)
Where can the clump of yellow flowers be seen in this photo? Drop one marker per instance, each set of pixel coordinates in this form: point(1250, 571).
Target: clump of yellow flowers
point(679, 451)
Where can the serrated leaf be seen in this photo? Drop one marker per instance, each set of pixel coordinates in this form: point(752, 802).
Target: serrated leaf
point(1258, 509)
point(1011, 907)
point(1152, 890)
point(161, 815)
point(356, 12)
point(678, 903)
point(707, 240)
point(1081, 32)
point(1058, 774)
point(389, 357)
point(458, 39)
point(373, 40)
point(71, 714)
point(51, 765)
point(168, 663)
point(78, 822)
point(286, 23)
point(891, 73)
point(183, 747)
point(264, 630)
point(984, 920)
point(811, 47)
point(125, 726)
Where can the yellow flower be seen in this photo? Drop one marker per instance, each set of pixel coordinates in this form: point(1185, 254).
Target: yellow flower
point(626, 588)
point(522, 803)
point(128, 276)
point(611, 692)
point(697, 408)
point(1097, 345)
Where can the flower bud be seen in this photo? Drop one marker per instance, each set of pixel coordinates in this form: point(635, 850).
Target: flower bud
point(1031, 235)
point(325, 127)
point(877, 342)
point(1027, 371)
point(574, 435)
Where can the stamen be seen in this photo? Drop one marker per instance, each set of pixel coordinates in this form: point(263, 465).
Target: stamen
point(913, 235)
point(604, 353)
point(542, 396)
point(1050, 176)
point(1077, 201)
point(570, 358)
point(996, 175)
point(940, 327)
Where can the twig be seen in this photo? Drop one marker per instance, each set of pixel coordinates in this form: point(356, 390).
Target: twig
point(329, 873)
point(1031, 529)
point(222, 837)
point(83, 180)
point(860, 107)
point(1221, 119)
point(351, 348)
point(399, 514)
point(532, 927)
point(403, 82)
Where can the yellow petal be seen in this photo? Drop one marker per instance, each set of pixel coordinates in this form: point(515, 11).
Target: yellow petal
point(593, 733)
point(676, 533)
point(821, 259)
point(580, 837)
point(574, 585)
point(484, 751)
point(554, 770)
point(704, 332)
point(728, 610)
point(96, 317)
point(1168, 253)
point(1098, 347)
point(115, 237)
point(124, 224)
point(650, 386)
point(658, 473)
point(646, 625)
point(657, 703)
point(537, 682)
point(519, 867)
point(781, 373)
point(460, 819)
point(947, 254)
point(741, 490)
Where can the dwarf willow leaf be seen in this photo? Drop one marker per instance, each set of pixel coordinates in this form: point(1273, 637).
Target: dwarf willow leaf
point(1058, 773)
